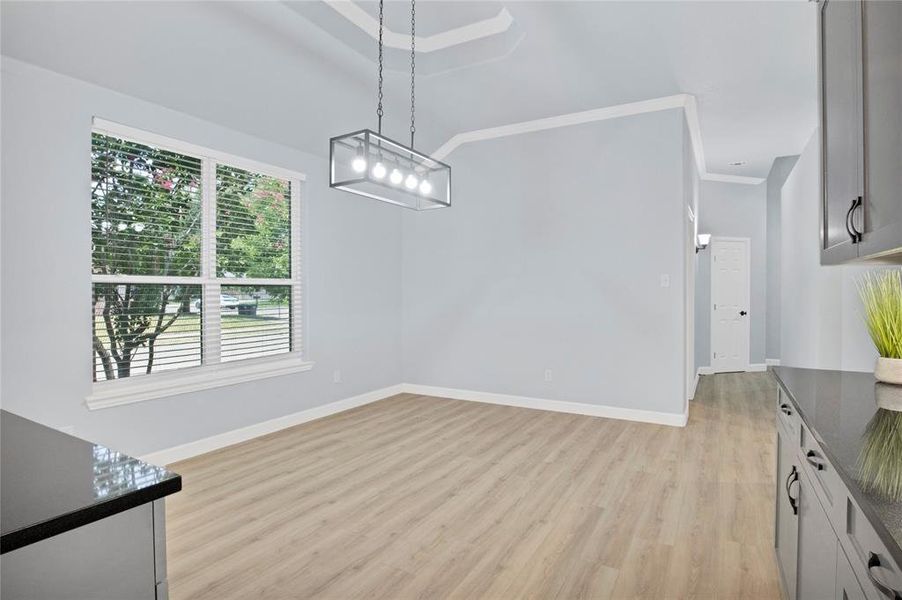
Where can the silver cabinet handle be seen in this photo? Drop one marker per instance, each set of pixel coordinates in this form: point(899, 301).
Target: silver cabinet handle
point(885, 588)
point(814, 460)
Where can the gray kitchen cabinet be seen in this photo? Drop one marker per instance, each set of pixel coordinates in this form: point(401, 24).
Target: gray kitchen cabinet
point(882, 209)
point(860, 78)
point(839, 36)
point(786, 531)
point(816, 578)
point(847, 586)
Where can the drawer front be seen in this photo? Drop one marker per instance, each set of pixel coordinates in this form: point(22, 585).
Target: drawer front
point(879, 576)
point(826, 482)
point(787, 415)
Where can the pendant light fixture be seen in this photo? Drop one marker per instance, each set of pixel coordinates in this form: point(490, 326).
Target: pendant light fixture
point(367, 163)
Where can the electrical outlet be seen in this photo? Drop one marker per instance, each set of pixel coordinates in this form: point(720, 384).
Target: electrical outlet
point(547, 374)
point(665, 281)
point(336, 376)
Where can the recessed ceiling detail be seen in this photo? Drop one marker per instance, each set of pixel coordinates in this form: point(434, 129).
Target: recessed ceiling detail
point(478, 33)
point(500, 23)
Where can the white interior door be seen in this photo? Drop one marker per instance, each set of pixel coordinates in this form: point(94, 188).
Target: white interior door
point(729, 304)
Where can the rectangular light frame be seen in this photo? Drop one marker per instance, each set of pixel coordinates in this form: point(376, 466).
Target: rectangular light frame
point(374, 147)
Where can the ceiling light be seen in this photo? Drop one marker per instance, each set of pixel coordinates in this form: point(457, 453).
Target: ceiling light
point(359, 163)
point(350, 154)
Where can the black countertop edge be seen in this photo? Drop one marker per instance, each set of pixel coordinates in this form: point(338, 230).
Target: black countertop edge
point(37, 532)
point(851, 483)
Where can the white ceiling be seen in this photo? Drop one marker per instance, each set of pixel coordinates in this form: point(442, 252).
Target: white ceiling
point(299, 72)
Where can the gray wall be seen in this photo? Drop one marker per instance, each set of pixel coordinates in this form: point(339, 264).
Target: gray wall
point(352, 261)
point(551, 258)
point(779, 171)
point(733, 210)
point(821, 325)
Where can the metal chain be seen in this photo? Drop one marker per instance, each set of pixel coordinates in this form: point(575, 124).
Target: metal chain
point(413, 37)
point(379, 111)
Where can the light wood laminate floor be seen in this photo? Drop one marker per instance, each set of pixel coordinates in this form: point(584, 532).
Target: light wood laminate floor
point(420, 497)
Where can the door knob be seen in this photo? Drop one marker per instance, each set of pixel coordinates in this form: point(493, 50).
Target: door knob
point(742, 313)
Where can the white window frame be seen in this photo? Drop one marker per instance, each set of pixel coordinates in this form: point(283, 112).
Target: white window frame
point(212, 373)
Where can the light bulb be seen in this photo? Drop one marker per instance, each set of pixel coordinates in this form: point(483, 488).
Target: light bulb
point(359, 164)
point(379, 170)
point(396, 176)
point(425, 187)
point(411, 181)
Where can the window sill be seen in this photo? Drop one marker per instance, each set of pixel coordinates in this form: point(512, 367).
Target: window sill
point(128, 391)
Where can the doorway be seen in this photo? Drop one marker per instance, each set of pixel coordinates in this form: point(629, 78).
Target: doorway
point(730, 294)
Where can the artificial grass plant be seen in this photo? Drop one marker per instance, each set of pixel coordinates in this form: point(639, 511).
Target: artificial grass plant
point(880, 460)
point(881, 295)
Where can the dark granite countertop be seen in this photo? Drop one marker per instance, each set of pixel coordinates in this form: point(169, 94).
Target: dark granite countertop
point(51, 482)
point(837, 406)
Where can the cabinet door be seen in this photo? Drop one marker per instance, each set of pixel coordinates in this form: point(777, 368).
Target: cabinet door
point(786, 535)
point(847, 587)
point(841, 124)
point(882, 214)
point(817, 547)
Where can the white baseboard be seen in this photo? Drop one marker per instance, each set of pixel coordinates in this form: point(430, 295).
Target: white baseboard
point(753, 368)
point(578, 408)
point(229, 438)
point(772, 362)
point(694, 386)
point(236, 436)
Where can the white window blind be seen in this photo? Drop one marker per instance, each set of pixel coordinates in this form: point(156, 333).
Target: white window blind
point(195, 257)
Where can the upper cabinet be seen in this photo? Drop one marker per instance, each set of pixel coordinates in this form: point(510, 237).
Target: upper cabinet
point(860, 75)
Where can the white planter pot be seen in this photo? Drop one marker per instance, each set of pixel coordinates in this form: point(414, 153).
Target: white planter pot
point(888, 396)
point(889, 370)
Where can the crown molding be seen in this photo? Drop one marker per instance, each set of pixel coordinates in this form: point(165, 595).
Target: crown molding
point(685, 101)
point(439, 41)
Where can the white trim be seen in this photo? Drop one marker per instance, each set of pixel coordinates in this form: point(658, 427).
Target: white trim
point(181, 381)
point(705, 371)
point(772, 362)
point(748, 297)
point(236, 436)
point(685, 101)
point(565, 120)
point(439, 41)
point(142, 136)
point(694, 385)
point(733, 179)
point(577, 408)
point(756, 367)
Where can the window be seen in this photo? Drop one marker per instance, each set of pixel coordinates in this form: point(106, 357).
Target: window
point(195, 267)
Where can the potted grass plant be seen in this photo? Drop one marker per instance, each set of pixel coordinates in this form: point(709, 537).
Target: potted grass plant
point(881, 296)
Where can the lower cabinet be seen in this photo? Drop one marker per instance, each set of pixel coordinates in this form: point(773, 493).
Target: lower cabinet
point(847, 587)
point(786, 532)
point(815, 563)
point(817, 547)
point(121, 557)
